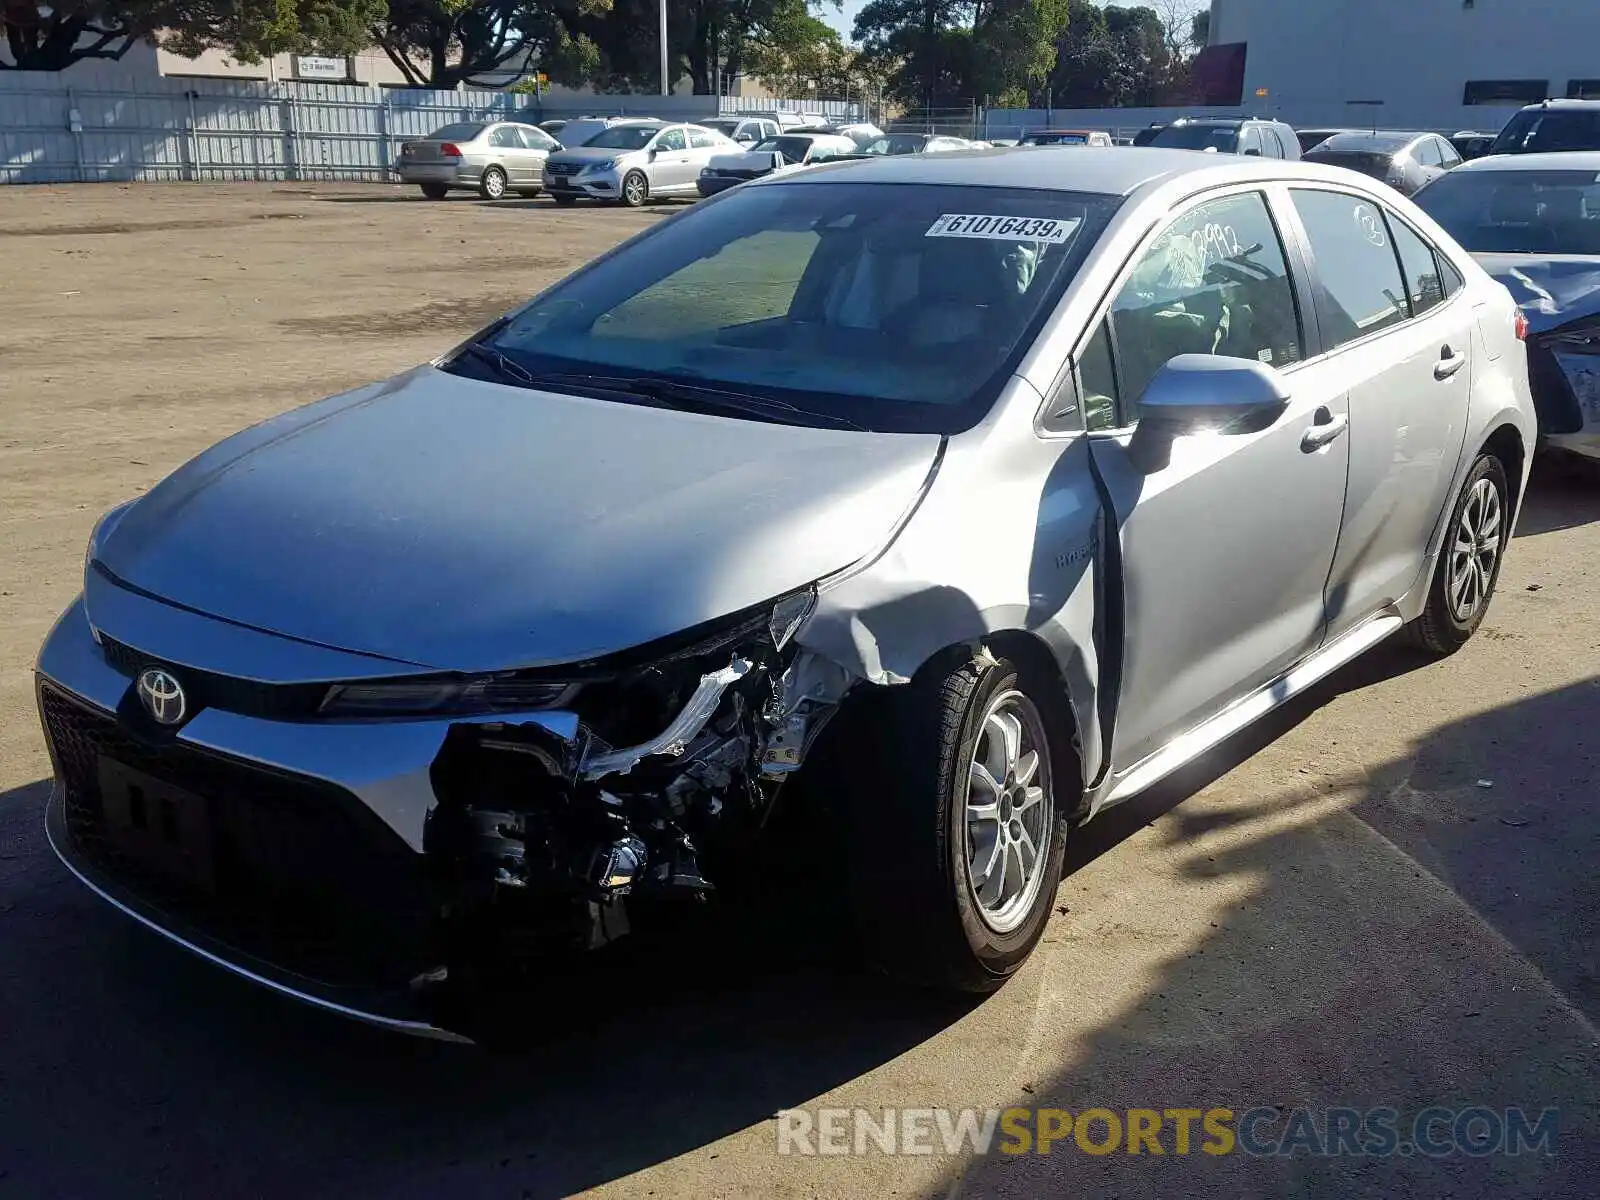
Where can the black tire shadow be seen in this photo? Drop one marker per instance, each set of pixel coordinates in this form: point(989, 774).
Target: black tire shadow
point(147, 1062)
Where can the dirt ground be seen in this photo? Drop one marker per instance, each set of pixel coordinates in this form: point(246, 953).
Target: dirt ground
point(1388, 896)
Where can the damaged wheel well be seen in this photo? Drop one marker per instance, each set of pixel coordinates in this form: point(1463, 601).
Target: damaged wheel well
point(1048, 687)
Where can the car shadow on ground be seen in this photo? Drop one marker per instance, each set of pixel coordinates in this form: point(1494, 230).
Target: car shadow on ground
point(127, 1060)
point(129, 1065)
point(1563, 492)
point(1435, 943)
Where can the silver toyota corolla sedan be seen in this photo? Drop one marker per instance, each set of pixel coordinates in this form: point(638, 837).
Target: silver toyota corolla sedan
point(969, 493)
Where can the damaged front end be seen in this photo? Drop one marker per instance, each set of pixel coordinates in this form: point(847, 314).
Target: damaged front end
point(539, 842)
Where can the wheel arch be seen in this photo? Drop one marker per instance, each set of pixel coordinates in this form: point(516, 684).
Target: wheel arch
point(1505, 443)
point(1041, 665)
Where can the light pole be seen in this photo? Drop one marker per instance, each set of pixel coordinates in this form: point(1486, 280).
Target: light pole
point(664, 88)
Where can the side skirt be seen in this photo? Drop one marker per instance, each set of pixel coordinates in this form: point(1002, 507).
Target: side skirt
point(1217, 728)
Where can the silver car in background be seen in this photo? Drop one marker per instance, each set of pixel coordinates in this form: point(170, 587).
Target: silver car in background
point(954, 498)
point(490, 158)
point(631, 162)
point(1406, 160)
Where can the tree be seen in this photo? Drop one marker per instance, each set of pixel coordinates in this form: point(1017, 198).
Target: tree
point(1200, 30)
point(51, 37)
point(941, 53)
point(1110, 57)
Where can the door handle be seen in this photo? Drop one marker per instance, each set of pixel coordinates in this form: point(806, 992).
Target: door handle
point(1325, 428)
point(1449, 363)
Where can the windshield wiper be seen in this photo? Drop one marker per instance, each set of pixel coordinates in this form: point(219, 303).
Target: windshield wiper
point(693, 397)
point(496, 361)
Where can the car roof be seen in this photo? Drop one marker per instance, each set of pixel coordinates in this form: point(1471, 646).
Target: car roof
point(1565, 160)
point(1108, 170)
point(1562, 103)
point(1082, 131)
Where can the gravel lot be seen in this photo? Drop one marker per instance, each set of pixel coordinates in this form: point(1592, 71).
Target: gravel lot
point(1388, 897)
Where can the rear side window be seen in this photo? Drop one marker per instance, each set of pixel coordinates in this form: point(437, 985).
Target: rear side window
point(506, 137)
point(1424, 284)
point(1426, 153)
point(1361, 291)
point(701, 140)
point(1213, 282)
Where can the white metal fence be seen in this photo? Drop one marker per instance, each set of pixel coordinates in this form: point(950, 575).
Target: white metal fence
point(208, 129)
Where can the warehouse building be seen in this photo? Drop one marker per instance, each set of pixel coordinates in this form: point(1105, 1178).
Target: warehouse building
point(1401, 63)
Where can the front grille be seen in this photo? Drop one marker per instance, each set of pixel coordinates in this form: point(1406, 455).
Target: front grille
point(563, 170)
point(304, 877)
point(206, 689)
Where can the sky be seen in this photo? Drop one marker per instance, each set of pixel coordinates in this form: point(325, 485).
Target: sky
point(843, 18)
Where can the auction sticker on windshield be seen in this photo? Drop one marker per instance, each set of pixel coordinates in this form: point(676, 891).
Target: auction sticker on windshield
point(1002, 229)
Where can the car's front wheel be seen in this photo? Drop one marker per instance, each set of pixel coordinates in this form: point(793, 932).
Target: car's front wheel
point(956, 833)
point(1469, 561)
point(635, 189)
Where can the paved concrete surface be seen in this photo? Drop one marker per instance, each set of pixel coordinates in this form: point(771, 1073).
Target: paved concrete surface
point(1385, 897)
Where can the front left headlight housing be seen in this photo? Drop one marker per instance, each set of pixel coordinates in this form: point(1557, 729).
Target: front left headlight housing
point(674, 662)
point(446, 696)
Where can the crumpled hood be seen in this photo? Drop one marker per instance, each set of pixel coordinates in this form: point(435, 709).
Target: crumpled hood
point(1551, 290)
point(466, 525)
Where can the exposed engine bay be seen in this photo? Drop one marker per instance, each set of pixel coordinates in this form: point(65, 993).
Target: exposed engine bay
point(540, 841)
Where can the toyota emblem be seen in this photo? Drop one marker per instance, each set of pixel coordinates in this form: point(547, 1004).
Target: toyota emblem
point(162, 696)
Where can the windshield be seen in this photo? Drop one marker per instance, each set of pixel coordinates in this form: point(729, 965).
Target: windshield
point(1518, 212)
point(899, 143)
point(1550, 129)
point(1222, 138)
point(793, 149)
point(893, 307)
point(624, 137)
point(1367, 162)
point(725, 128)
point(455, 133)
point(1056, 139)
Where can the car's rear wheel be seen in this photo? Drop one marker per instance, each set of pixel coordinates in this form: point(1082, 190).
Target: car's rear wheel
point(635, 189)
point(564, 201)
point(435, 191)
point(956, 837)
point(1469, 561)
point(493, 184)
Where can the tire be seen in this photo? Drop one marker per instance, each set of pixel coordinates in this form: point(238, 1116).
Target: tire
point(635, 189)
point(492, 186)
point(915, 847)
point(1463, 579)
point(563, 201)
point(435, 191)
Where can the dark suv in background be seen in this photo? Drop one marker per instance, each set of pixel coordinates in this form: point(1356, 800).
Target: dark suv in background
point(1551, 125)
point(1230, 135)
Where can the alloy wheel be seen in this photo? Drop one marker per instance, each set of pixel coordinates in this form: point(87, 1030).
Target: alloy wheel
point(633, 190)
point(1474, 550)
point(1010, 812)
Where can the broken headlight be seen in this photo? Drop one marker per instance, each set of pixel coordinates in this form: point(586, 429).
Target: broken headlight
point(445, 695)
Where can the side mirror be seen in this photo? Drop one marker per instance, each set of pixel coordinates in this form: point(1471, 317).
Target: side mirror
point(1252, 153)
point(744, 139)
point(1196, 392)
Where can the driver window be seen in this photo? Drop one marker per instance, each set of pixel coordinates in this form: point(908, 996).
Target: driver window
point(1213, 282)
point(1249, 141)
point(672, 139)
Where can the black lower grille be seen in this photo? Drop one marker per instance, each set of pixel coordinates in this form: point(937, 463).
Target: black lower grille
point(564, 170)
point(303, 877)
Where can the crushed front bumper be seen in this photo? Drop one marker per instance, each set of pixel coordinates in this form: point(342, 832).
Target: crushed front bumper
point(315, 883)
point(566, 180)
